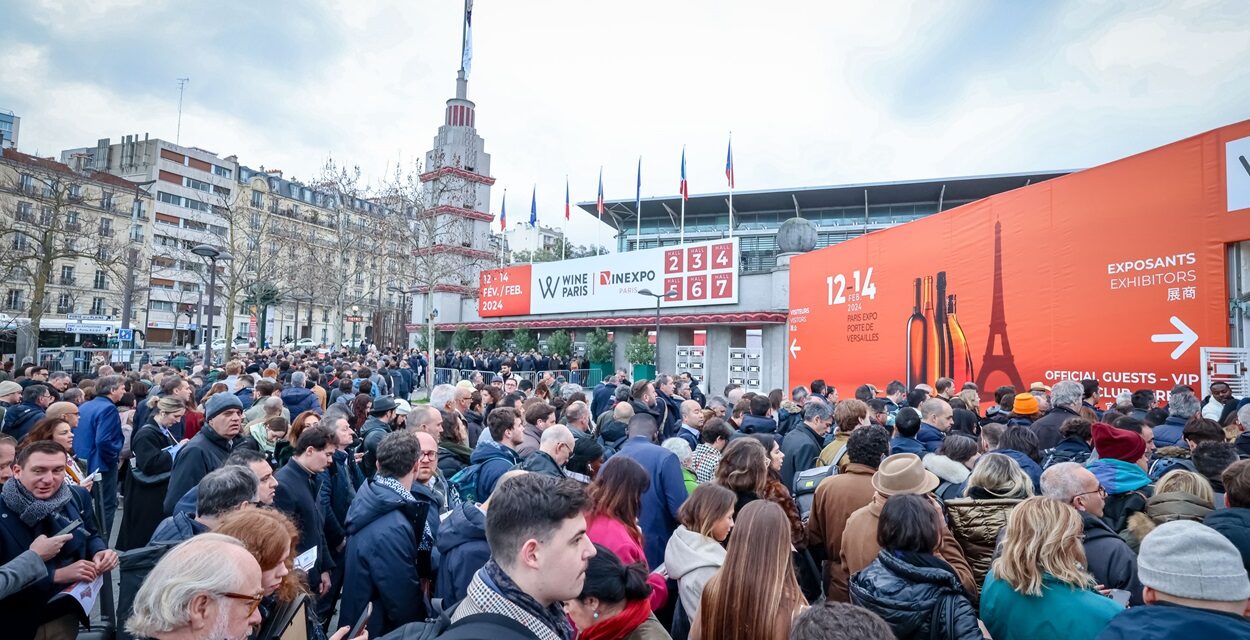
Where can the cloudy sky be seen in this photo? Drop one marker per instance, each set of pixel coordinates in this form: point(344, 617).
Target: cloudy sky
point(815, 93)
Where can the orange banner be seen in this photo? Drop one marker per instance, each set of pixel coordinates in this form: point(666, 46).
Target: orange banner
point(1115, 273)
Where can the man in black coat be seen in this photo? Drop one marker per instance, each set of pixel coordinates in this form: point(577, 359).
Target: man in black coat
point(223, 416)
point(298, 489)
point(803, 444)
point(19, 419)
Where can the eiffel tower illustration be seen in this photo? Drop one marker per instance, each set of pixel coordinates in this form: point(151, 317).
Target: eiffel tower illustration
point(1003, 363)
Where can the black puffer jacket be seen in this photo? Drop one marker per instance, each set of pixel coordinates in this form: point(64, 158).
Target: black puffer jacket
point(913, 599)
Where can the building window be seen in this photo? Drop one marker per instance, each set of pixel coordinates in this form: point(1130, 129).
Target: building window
point(13, 299)
point(255, 220)
point(258, 200)
point(106, 227)
point(71, 221)
point(67, 275)
point(97, 306)
point(198, 185)
point(136, 209)
point(75, 192)
point(102, 253)
point(106, 201)
point(20, 241)
point(65, 303)
point(25, 212)
point(222, 171)
point(28, 183)
point(162, 305)
point(101, 280)
point(45, 216)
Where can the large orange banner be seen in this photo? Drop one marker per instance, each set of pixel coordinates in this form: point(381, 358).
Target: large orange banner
point(1115, 273)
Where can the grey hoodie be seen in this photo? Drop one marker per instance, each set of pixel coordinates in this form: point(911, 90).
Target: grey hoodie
point(692, 559)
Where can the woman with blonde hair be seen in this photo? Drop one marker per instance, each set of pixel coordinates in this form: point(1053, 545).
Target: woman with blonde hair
point(755, 595)
point(155, 447)
point(997, 484)
point(1179, 495)
point(1040, 586)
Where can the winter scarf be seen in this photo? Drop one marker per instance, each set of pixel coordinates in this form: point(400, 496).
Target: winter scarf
point(553, 617)
point(1118, 476)
point(621, 624)
point(30, 509)
point(261, 435)
point(396, 486)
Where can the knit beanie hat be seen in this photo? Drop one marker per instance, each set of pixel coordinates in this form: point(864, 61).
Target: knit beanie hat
point(1120, 444)
point(1025, 404)
point(1191, 560)
point(219, 403)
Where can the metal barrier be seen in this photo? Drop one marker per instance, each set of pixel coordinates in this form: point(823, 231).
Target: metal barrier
point(81, 360)
point(584, 377)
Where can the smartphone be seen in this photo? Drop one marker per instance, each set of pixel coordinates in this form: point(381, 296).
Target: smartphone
point(70, 527)
point(361, 622)
point(1119, 595)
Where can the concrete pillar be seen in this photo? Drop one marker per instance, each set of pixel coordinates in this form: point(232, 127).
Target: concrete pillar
point(666, 351)
point(620, 338)
point(775, 358)
point(719, 339)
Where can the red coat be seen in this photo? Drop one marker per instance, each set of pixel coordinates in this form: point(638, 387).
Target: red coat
point(612, 534)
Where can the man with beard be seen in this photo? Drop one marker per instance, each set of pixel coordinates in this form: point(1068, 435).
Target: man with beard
point(382, 416)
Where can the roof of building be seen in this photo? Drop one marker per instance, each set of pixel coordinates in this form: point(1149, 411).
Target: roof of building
point(957, 189)
point(51, 165)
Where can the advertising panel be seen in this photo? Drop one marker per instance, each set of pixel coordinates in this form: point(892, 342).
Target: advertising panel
point(1115, 273)
point(700, 273)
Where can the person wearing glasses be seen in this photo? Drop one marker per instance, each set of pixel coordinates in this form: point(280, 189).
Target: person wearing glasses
point(1110, 560)
point(208, 586)
point(555, 447)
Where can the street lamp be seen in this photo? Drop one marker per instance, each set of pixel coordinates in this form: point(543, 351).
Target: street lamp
point(671, 293)
point(212, 254)
point(405, 311)
point(355, 321)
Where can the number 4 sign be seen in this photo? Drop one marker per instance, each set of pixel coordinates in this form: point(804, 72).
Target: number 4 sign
point(723, 255)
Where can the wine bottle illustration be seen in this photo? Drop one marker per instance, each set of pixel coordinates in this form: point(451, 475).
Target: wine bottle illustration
point(961, 356)
point(941, 330)
point(932, 339)
point(917, 342)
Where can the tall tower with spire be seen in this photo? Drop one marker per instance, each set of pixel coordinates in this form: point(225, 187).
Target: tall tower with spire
point(457, 180)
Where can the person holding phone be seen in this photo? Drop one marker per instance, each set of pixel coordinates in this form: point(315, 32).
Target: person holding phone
point(1039, 586)
point(29, 567)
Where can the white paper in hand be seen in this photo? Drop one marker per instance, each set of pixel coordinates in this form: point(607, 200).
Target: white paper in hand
point(84, 593)
point(305, 561)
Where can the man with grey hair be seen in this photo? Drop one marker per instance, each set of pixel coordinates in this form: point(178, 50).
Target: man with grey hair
point(577, 417)
point(60, 381)
point(425, 418)
point(803, 444)
point(206, 587)
point(442, 397)
point(568, 389)
point(554, 448)
point(1182, 405)
point(718, 405)
point(1108, 557)
point(99, 440)
point(219, 493)
point(298, 398)
point(1066, 403)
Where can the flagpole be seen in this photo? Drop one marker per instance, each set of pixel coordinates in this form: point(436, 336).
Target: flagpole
point(731, 185)
point(685, 193)
point(564, 228)
point(638, 207)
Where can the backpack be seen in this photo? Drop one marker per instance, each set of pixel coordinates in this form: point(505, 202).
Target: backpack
point(1054, 456)
point(474, 627)
point(133, 567)
point(462, 487)
point(805, 484)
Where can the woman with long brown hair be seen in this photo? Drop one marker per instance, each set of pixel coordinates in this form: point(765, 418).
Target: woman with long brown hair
point(695, 553)
point(755, 595)
point(1040, 587)
point(743, 469)
point(285, 448)
point(615, 500)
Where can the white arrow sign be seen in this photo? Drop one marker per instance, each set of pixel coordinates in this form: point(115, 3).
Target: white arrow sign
point(1185, 339)
point(795, 348)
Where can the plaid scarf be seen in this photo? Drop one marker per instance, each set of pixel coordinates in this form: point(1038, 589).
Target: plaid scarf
point(30, 509)
point(493, 591)
point(425, 543)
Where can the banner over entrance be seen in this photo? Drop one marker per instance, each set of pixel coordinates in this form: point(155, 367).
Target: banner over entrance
point(701, 273)
point(1115, 273)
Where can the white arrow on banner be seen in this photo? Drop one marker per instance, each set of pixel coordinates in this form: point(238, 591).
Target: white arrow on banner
point(795, 348)
point(1185, 339)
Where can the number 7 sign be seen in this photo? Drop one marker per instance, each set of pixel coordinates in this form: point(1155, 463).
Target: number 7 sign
point(722, 286)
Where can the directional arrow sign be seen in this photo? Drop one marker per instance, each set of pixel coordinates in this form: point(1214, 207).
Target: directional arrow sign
point(795, 348)
point(1185, 339)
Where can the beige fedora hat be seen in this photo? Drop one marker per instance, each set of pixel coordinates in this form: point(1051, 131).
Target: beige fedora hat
point(903, 473)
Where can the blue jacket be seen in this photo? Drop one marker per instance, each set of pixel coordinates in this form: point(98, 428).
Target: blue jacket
point(19, 419)
point(246, 396)
point(99, 436)
point(658, 514)
point(752, 423)
point(930, 436)
point(495, 460)
point(298, 400)
point(462, 543)
point(297, 498)
point(691, 437)
point(381, 561)
point(900, 444)
point(177, 528)
point(1164, 621)
point(601, 399)
point(1171, 433)
point(1233, 523)
point(1030, 467)
point(23, 611)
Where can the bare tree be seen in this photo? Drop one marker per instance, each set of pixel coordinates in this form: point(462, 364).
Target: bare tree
point(55, 217)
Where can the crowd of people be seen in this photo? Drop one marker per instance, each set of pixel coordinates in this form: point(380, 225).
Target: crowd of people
point(302, 491)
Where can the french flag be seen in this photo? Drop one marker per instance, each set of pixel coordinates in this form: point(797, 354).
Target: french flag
point(729, 163)
point(599, 202)
point(685, 189)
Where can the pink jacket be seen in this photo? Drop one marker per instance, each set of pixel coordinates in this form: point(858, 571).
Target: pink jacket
point(612, 534)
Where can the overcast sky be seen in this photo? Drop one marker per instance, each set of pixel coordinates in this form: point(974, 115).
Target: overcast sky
point(816, 93)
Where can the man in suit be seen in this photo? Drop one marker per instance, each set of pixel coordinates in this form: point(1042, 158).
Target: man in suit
point(658, 514)
point(297, 493)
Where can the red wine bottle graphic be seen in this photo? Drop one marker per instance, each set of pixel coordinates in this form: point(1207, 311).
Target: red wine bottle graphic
point(941, 330)
point(917, 343)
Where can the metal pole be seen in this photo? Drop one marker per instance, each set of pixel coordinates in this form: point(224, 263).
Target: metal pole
point(212, 292)
point(657, 326)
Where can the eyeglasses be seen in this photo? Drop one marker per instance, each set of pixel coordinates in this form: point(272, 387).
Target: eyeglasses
point(1100, 491)
point(253, 602)
point(429, 454)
